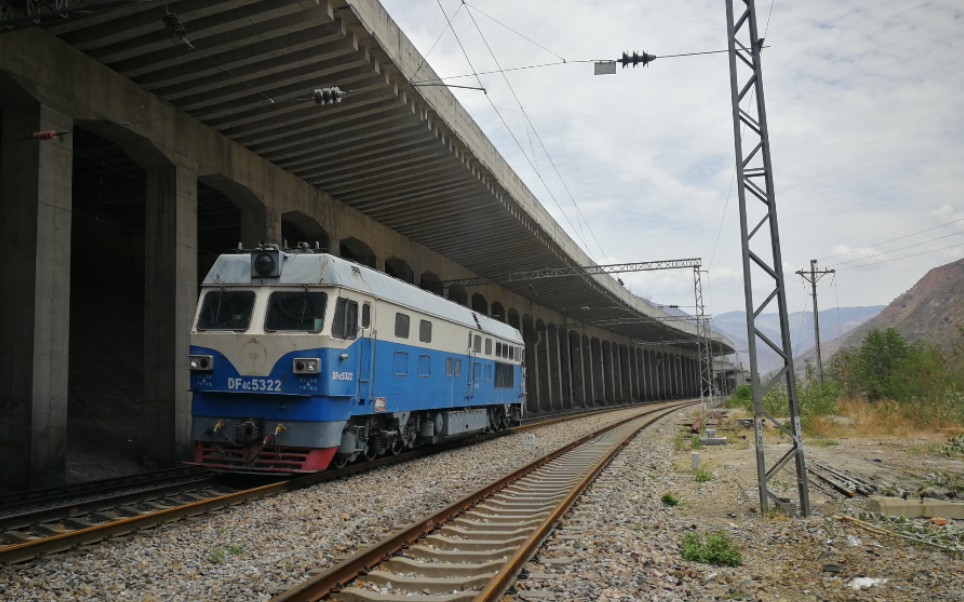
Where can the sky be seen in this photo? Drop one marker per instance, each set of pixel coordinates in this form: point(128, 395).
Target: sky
point(866, 121)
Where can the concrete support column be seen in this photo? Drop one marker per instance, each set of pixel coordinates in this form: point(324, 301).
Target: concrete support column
point(565, 361)
point(626, 373)
point(671, 376)
point(663, 370)
point(36, 185)
point(685, 372)
point(694, 378)
point(599, 374)
point(555, 367)
point(578, 357)
point(259, 225)
point(620, 396)
point(643, 376)
point(532, 370)
point(637, 375)
point(539, 361)
point(170, 261)
point(611, 374)
point(592, 367)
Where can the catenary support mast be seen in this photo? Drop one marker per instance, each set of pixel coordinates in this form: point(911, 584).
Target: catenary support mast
point(758, 226)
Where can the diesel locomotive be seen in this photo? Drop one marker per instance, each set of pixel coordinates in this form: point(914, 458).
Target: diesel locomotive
point(301, 360)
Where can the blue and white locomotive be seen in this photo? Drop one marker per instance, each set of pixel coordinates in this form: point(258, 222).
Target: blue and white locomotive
point(300, 360)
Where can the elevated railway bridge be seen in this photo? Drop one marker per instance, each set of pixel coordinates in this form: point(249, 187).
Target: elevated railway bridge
point(140, 139)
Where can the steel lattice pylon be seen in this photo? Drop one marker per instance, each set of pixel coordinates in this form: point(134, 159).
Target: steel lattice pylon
point(755, 176)
point(703, 332)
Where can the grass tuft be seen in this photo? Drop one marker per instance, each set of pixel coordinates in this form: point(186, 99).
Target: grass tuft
point(713, 548)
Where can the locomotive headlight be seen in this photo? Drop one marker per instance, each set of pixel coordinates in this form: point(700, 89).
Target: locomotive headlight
point(266, 263)
point(201, 363)
point(306, 365)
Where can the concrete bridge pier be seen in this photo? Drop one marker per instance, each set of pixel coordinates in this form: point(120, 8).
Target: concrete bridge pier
point(35, 227)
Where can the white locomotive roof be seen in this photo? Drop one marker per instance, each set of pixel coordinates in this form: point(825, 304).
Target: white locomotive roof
point(323, 269)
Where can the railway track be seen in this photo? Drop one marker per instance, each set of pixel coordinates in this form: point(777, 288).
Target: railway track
point(59, 519)
point(473, 549)
point(51, 521)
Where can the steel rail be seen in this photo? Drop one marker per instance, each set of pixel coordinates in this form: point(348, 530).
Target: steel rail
point(335, 579)
point(506, 576)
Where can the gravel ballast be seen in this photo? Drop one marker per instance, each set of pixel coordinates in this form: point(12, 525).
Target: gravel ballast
point(620, 542)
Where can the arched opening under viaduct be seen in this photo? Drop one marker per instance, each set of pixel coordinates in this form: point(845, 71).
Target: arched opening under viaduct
point(400, 269)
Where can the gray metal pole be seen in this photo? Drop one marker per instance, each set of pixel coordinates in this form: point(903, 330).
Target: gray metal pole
point(755, 176)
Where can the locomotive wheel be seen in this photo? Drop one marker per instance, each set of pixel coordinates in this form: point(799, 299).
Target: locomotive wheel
point(371, 452)
point(397, 446)
point(340, 461)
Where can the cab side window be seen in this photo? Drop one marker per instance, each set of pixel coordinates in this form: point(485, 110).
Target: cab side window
point(345, 323)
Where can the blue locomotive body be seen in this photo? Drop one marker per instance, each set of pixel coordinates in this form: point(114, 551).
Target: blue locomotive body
point(300, 359)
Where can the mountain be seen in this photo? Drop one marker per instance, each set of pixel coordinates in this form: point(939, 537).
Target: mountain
point(932, 310)
point(834, 323)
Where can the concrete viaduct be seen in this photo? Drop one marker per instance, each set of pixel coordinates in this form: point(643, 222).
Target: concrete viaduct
point(173, 140)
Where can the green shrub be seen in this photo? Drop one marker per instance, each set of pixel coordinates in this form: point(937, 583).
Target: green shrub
point(775, 403)
point(816, 401)
point(714, 548)
point(696, 442)
point(703, 475)
point(742, 398)
point(669, 499)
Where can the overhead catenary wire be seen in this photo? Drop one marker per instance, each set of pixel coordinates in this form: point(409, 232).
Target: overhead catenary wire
point(576, 231)
point(542, 145)
point(560, 63)
point(462, 47)
point(523, 36)
point(179, 34)
point(448, 25)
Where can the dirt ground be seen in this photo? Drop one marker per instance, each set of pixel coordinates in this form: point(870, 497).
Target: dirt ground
point(825, 556)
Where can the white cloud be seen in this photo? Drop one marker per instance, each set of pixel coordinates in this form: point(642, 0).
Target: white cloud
point(866, 126)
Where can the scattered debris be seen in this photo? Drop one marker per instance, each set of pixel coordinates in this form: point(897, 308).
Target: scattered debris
point(859, 583)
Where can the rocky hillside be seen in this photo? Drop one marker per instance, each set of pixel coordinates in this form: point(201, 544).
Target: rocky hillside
point(932, 310)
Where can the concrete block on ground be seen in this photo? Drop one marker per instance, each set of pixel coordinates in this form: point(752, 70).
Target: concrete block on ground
point(713, 440)
point(916, 508)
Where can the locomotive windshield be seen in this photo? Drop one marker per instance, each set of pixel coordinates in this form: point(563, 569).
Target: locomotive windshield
point(226, 310)
point(300, 311)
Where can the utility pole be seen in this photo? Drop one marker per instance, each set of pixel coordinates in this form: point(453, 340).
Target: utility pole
point(812, 278)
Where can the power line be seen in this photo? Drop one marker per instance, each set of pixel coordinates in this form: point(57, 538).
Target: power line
point(867, 265)
point(945, 224)
point(882, 253)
